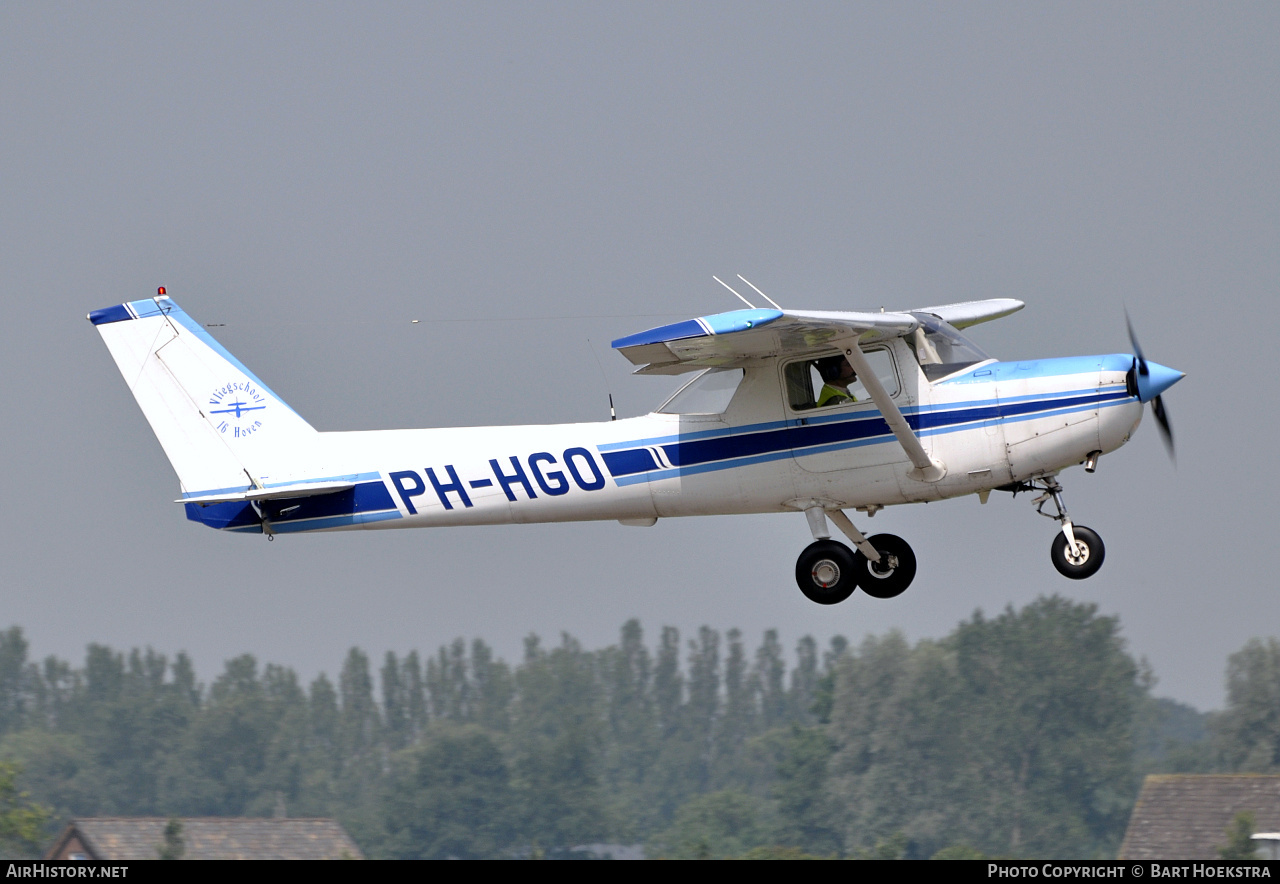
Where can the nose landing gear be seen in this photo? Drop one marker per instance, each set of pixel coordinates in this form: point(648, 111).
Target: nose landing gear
point(1077, 552)
point(828, 572)
point(1084, 559)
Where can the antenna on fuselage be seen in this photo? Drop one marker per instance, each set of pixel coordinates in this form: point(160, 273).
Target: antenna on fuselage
point(613, 415)
point(730, 288)
point(760, 293)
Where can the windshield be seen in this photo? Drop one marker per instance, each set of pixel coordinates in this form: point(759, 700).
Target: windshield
point(708, 393)
point(941, 349)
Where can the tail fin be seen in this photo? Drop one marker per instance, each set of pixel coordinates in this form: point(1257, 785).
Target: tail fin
point(222, 428)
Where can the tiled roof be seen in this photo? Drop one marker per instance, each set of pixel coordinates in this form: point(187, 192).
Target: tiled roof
point(1186, 816)
point(132, 838)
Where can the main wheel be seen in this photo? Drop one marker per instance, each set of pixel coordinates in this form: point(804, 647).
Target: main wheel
point(825, 572)
point(1087, 558)
point(894, 572)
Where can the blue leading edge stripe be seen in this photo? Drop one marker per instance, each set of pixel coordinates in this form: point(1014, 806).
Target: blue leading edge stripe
point(716, 324)
point(118, 313)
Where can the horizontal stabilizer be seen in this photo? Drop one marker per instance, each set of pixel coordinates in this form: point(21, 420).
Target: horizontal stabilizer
point(302, 489)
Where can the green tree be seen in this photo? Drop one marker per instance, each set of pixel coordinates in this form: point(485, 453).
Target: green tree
point(13, 679)
point(825, 690)
point(448, 684)
point(1247, 733)
point(770, 672)
point(174, 845)
point(61, 769)
point(218, 769)
point(22, 823)
point(395, 704)
point(632, 736)
point(738, 722)
point(492, 688)
point(557, 732)
point(1240, 843)
point(133, 717)
point(702, 709)
point(450, 797)
point(718, 825)
point(415, 696)
point(1014, 735)
point(895, 726)
point(804, 807)
point(1049, 703)
point(359, 723)
point(804, 681)
point(1172, 737)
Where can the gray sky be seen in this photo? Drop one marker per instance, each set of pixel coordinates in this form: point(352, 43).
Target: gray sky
point(527, 177)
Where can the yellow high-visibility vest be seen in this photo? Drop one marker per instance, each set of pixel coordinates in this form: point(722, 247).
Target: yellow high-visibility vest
point(834, 396)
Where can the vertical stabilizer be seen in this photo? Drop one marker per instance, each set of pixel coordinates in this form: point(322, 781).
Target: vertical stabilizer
point(221, 427)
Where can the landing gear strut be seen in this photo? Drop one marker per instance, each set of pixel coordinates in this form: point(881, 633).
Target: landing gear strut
point(1077, 552)
point(828, 572)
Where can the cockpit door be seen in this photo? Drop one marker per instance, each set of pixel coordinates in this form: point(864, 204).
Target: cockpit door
point(843, 434)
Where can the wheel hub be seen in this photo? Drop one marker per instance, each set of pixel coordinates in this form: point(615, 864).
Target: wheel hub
point(886, 566)
point(825, 573)
point(1079, 555)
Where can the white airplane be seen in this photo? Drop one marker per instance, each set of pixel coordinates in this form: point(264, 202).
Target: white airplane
point(820, 413)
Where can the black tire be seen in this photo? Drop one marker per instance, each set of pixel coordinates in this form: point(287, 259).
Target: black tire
point(1085, 565)
point(894, 572)
point(825, 572)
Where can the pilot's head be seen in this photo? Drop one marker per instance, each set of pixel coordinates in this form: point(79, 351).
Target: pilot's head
point(835, 369)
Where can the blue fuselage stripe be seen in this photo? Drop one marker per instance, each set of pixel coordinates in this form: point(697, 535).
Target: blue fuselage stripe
point(817, 437)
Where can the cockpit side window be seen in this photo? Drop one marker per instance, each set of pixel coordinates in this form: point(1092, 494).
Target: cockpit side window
point(830, 381)
point(940, 348)
point(708, 393)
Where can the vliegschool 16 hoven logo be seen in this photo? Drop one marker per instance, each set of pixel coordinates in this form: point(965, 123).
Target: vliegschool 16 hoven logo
point(235, 408)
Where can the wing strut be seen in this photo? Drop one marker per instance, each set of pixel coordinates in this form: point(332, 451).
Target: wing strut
point(926, 468)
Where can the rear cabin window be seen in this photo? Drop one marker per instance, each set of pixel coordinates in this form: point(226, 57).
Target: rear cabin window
point(830, 381)
point(708, 393)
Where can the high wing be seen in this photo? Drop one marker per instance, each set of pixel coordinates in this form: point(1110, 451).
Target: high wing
point(724, 338)
point(967, 313)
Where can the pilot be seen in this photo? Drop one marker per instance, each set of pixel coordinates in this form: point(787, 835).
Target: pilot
point(837, 374)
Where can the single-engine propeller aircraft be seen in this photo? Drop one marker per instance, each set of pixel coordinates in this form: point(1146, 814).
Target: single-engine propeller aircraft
point(821, 413)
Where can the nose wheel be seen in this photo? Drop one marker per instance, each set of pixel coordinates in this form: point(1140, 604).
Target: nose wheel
point(1077, 552)
point(1081, 561)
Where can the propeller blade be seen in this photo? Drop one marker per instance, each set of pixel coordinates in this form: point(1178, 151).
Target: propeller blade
point(1162, 418)
point(1133, 340)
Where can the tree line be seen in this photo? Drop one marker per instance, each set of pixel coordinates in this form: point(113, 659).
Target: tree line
point(1022, 734)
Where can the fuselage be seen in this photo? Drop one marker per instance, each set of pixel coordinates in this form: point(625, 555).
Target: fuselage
point(990, 424)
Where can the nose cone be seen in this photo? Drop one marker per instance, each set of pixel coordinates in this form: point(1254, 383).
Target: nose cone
point(1157, 379)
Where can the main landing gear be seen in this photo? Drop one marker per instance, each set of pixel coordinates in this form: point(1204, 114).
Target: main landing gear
point(828, 572)
point(1077, 552)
